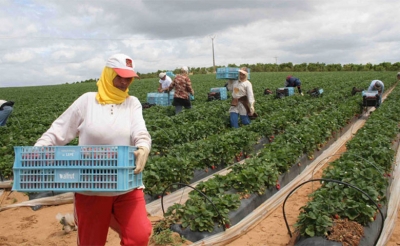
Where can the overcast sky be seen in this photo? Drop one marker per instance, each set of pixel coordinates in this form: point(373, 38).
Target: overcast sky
point(46, 42)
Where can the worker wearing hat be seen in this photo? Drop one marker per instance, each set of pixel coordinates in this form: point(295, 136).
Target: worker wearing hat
point(377, 85)
point(398, 76)
point(242, 103)
point(183, 90)
point(164, 81)
point(109, 116)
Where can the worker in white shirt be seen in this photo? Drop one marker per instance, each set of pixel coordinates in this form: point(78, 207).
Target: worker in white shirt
point(109, 116)
point(377, 85)
point(164, 81)
point(242, 103)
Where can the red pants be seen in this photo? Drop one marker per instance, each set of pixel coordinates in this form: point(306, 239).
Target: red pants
point(126, 214)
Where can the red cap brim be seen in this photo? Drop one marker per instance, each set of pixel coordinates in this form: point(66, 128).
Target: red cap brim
point(125, 73)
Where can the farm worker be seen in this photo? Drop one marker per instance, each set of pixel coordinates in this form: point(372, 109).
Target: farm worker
point(6, 108)
point(109, 116)
point(183, 87)
point(293, 82)
point(165, 81)
point(398, 76)
point(242, 103)
point(377, 85)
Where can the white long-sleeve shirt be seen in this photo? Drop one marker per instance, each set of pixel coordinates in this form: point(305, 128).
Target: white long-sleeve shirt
point(97, 124)
point(372, 86)
point(238, 90)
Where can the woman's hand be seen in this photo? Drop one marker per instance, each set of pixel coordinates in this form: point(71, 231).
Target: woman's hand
point(141, 155)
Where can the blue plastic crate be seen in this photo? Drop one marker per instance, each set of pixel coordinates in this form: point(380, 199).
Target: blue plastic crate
point(369, 93)
point(230, 73)
point(151, 97)
point(222, 90)
point(170, 74)
point(227, 69)
point(162, 99)
point(290, 90)
point(284, 92)
point(97, 168)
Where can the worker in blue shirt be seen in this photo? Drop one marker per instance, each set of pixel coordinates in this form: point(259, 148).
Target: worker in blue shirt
point(293, 82)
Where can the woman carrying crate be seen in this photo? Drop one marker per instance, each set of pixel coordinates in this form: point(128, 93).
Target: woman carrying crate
point(108, 117)
point(242, 104)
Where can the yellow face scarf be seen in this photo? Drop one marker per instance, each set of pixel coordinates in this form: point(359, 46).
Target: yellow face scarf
point(107, 93)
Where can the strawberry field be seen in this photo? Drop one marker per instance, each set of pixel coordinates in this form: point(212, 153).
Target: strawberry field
point(198, 142)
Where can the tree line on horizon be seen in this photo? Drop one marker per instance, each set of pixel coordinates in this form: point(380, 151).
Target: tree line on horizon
point(283, 67)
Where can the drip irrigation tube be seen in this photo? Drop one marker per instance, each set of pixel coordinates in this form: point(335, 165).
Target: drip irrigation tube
point(338, 182)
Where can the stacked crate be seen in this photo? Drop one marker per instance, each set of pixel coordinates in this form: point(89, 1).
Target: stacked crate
point(161, 99)
point(222, 92)
point(230, 73)
point(284, 92)
point(370, 98)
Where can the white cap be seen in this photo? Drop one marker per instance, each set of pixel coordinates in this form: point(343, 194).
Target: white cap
point(161, 75)
point(185, 68)
point(398, 73)
point(123, 65)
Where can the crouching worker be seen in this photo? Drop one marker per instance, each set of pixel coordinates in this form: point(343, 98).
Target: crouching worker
point(6, 108)
point(377, 85)
point(164, 81)
point(293, 82)
point(242, 103)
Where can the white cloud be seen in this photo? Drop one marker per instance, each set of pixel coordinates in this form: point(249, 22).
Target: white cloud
point(50, 42)
point(19, 57)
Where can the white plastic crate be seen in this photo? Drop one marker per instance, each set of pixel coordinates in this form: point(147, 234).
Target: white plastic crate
point(99, 168)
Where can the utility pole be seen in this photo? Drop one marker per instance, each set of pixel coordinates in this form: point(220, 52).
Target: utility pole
point(276, 62)
point(212, 40)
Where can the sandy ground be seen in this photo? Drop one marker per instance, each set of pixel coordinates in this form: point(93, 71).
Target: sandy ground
point(22, 226)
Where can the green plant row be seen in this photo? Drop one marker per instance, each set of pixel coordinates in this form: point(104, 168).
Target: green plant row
point(275, 116)
point(261, 173)
point(366, 164)
point(222, 148)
